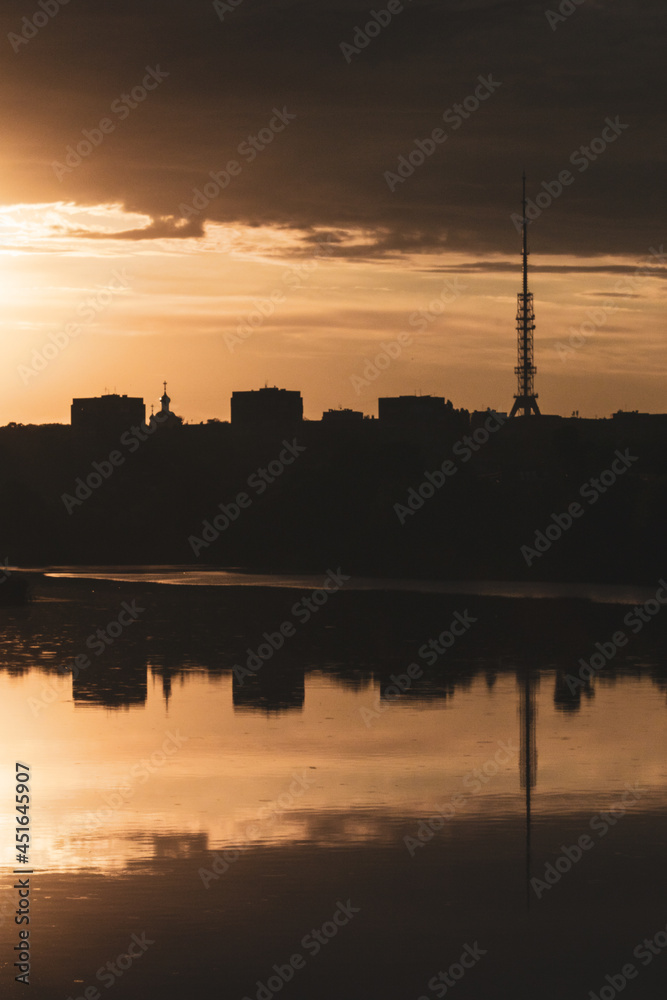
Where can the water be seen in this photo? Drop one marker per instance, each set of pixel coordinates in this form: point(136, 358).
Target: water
point(227, 818)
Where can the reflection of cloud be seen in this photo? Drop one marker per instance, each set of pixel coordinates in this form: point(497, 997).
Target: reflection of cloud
point(132, 839)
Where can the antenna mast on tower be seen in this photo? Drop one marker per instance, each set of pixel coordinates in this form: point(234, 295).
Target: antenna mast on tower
point(525, 399)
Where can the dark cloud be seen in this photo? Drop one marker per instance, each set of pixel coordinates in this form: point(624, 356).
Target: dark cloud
point(504, 267)
point(353, 119)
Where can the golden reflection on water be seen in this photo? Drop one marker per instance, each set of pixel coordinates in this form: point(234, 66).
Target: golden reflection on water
point(113, 787)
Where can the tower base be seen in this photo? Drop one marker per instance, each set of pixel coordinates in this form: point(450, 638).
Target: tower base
point(526, 403)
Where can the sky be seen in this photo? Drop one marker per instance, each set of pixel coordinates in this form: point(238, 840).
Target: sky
point(236, 194)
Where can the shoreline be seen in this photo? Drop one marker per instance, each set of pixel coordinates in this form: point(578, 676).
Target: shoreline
point(156, 578)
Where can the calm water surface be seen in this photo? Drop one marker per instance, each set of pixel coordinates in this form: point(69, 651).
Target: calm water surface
point(234, 820)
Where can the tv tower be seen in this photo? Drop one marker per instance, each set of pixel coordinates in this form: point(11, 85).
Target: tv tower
point(525, 399)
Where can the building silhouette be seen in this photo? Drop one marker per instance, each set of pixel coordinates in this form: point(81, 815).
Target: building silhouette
point(342, 418)
point(167, 418)
point(404, 410)
point(108, 414)
point(478, 418)
point(267, 407)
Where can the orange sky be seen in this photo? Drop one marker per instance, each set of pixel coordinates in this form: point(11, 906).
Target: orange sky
point(341, 150)
point(176, 306)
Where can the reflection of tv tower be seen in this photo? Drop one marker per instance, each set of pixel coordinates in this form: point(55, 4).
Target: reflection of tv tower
point(528, 756)
point(528, 761)
point(525, 398)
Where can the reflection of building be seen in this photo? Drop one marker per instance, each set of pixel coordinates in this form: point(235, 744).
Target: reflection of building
point(109, 414)
point(270, 689)
point(164, 673)
point(113, 686)
point(179, 845)
point(567, 698)
point(266, 407)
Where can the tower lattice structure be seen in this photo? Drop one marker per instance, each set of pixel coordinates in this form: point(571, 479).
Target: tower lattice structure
point(525, 399)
